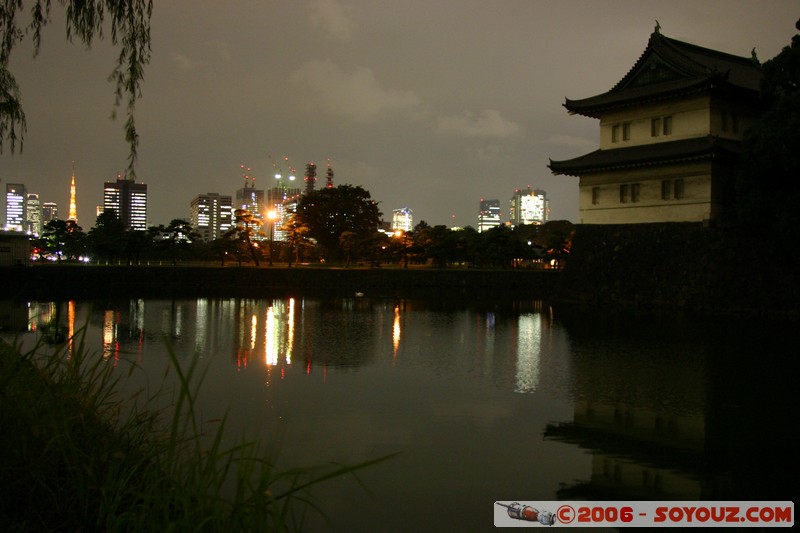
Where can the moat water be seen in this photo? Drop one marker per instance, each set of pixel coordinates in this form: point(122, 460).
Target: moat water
point(484, 401)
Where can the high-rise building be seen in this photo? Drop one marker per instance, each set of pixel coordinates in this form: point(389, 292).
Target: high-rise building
point(250, 198)
point(529, 206)
point(128, 199)
point(33, 214)
point(49, 212)
point(402, 219)
point(16, 194)
point(282, 199)
point(211, 215)
point(489, 215)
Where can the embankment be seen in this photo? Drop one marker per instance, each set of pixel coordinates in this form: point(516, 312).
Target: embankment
point(645, 267)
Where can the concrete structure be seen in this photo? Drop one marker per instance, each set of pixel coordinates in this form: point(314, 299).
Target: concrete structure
point(128, 199)
point(489, 215)
point(15, 248)
point(211, 215)
point(402, 219)
point(33, 214)
point(49, 212)
point(529, 206)
point(670, 134)
point(16, 195)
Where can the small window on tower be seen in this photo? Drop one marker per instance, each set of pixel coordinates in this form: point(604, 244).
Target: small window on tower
point(666, 189)
point(667, 126)
point(655, 127)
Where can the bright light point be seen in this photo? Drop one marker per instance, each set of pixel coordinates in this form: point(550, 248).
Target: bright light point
point(277, 176)
point(291, 178)
point(272, 215)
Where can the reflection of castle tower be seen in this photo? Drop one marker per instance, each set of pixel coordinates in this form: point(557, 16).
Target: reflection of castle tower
point(681, 419)
point(647, 439)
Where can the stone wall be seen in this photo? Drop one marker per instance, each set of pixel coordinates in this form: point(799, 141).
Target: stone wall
point(642, 267)
point(678, 266)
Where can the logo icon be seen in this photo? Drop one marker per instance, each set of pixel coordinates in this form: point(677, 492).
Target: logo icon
point(529, 514)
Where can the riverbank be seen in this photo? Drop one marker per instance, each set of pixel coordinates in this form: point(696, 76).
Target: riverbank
point(671, 267)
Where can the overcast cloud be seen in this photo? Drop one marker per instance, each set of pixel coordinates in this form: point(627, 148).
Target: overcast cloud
point(430, 105)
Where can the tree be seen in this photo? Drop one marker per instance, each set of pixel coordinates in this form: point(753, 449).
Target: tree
point(62, 238)
point(296, 236)
point(247, 226)
point(176, 238)
point(129, 23)
point(767, 189)
point(555, 239)
point(106, 238)
point(328, 213)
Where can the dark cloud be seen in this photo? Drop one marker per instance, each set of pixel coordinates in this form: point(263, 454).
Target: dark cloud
point(430, 105)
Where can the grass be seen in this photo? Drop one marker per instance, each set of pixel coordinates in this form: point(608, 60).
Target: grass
point(75, 457)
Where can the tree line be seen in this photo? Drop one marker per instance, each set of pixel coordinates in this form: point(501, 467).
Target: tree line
point(338, 226)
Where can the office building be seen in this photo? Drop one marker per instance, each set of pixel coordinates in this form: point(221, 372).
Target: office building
point(402, 219)
point(49, 212)
point(250, 198)
point(211, 215)
point(128, 200)
point(33, 214)
point(16, 195)
point(529, 206)
point(489, 215)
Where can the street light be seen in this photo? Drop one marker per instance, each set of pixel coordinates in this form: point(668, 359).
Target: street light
point(272, 216)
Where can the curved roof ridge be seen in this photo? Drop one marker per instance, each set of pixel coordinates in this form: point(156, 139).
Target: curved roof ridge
point(667, 62)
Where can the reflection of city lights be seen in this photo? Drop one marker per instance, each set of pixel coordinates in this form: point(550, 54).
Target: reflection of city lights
point(253, 330)
point(70, 326)
point(109, 333)
point(396, 329)
point(290, 333)
point(529, 346)
point(271, 348)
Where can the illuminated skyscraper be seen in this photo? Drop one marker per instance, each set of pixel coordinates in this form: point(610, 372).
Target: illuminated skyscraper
point(250, 198)
point(529, 206)
point(15, 206)
point(128, 199)
point(211, 215)
point(283, 200)
point(49, 212)
point(402, 219)
point(489, 215)
point(33, 214)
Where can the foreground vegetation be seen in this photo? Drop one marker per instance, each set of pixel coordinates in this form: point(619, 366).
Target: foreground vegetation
point(77, 458)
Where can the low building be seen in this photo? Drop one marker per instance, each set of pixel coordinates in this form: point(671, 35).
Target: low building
point(15, 249)
point(670, 135)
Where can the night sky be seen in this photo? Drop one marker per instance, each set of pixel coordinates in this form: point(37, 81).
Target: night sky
point(427, 104)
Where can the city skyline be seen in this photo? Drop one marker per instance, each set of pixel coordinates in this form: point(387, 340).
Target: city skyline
point(429, 106)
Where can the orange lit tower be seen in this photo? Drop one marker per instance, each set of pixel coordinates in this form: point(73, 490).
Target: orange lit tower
point(73, 205)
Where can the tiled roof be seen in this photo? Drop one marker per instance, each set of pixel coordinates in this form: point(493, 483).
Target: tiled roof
point(699, 148)
point(669, 68)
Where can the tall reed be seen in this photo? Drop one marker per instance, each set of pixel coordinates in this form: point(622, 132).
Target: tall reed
point(76, 457)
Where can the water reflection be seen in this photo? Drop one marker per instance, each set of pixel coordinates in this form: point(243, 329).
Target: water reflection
point(605, 408)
